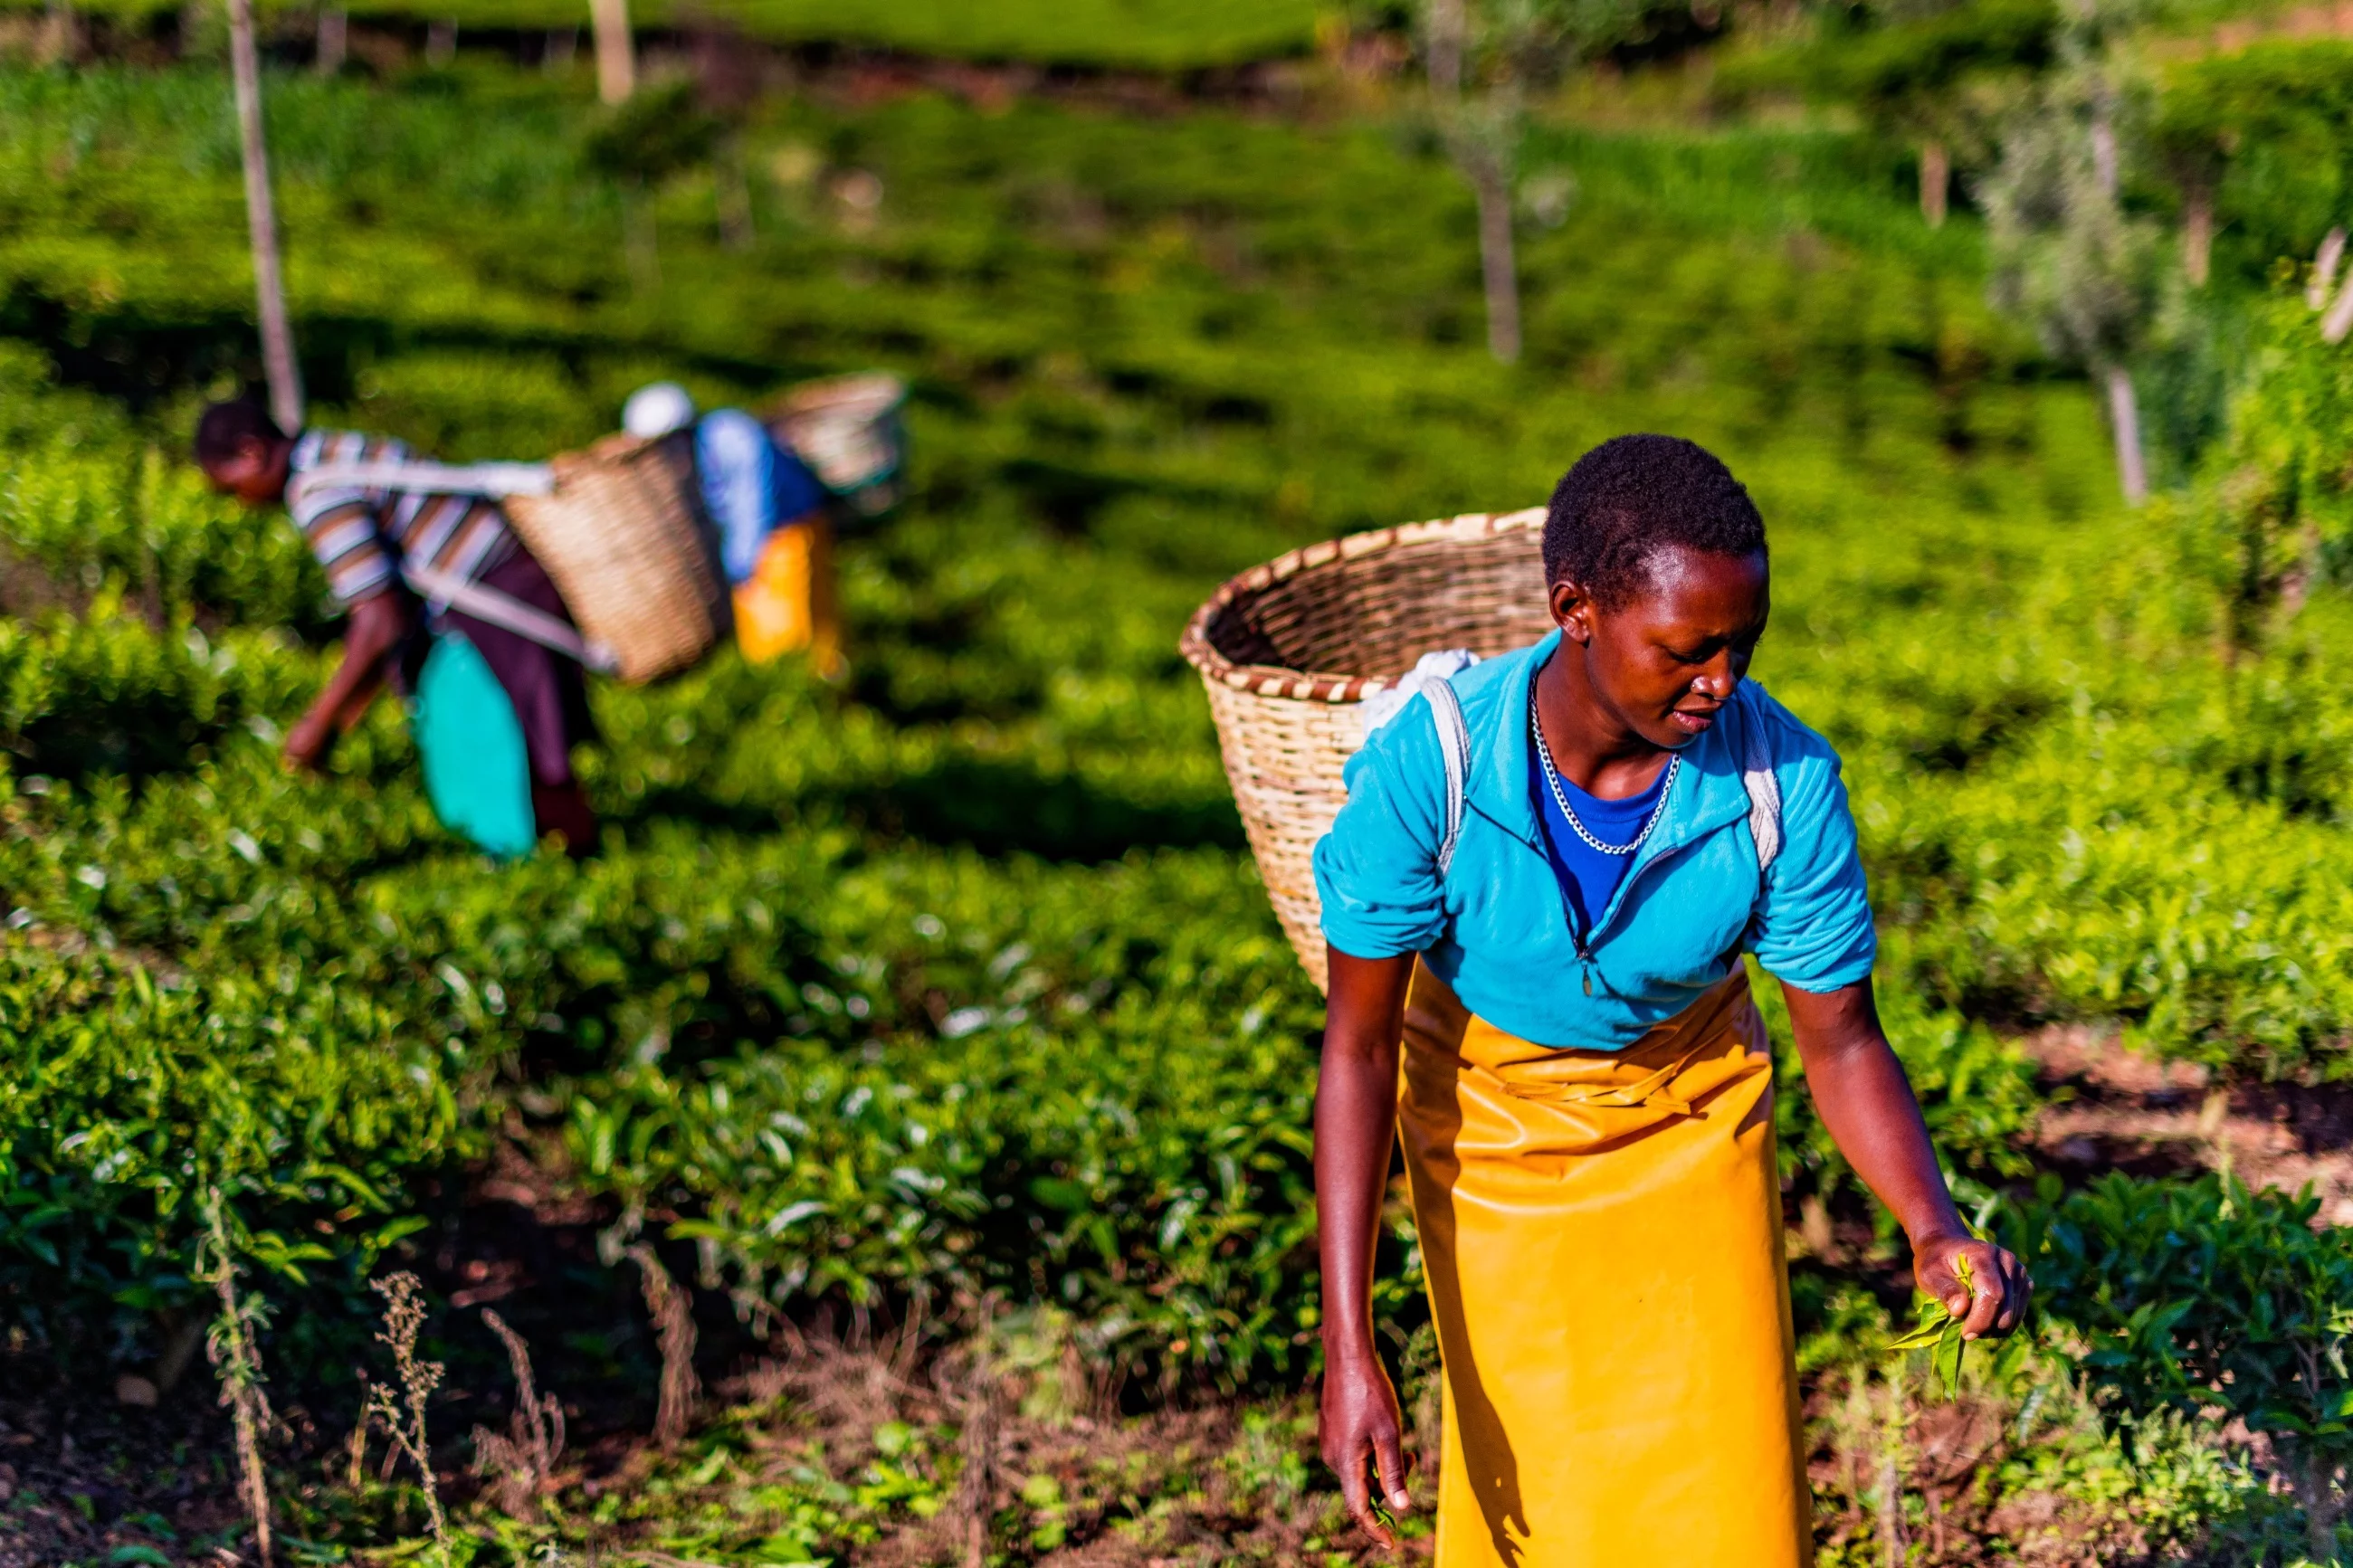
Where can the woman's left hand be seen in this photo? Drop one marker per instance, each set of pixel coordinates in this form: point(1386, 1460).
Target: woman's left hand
point(1994, 1299)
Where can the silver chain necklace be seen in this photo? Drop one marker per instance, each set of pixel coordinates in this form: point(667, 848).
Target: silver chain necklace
point(1560, 796)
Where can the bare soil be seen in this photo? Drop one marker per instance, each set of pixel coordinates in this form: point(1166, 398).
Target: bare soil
point(2114, 1109)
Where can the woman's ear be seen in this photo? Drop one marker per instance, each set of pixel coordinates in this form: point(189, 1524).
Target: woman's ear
point(1572, 612)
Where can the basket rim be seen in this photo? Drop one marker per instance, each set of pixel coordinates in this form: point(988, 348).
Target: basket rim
point(1327, 686)
point(861, 394)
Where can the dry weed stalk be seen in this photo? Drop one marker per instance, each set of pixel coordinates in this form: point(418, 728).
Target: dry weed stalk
point(523, 1461)
point(984, 1412)
point(1893, 1543)
point(403, 1414)
point(236, 1362)
point(673, 1316)
point(835, 1386)
point(357, 1443)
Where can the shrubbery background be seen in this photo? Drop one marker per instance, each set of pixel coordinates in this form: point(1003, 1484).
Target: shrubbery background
point(951, 991)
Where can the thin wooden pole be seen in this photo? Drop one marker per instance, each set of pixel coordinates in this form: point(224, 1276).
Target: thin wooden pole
point(1936, 182)
point(334, 39)
point(261, 223)
point(1498, 265)
point(617, 59)
point(2124, 415)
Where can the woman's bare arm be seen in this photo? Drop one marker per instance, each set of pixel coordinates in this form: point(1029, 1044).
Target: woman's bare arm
point(377, 626)
point(1356, 1130)
point(1867, 1103)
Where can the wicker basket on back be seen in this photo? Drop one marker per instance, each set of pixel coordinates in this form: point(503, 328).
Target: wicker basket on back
point(847, 430)
point(625, 540)
point(1289, 651)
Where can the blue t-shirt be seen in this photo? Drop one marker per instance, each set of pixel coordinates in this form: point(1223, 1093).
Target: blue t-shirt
point(1588, 878)
point(751, 487)
point(1492, 922)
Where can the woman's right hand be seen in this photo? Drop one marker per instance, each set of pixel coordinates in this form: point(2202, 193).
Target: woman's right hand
point(1355, 1130)
point(1361, 1426)
point(307, 743)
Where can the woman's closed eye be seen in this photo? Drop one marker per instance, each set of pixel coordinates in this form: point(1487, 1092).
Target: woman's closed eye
point(1700, 653)
point(1743, 648)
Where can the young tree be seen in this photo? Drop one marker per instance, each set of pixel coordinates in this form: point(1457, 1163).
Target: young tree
point(1485, 57)
point(1934, 74)
point(2067, 255)
point(2259, 141)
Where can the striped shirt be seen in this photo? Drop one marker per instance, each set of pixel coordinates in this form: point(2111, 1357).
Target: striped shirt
point(363, 534)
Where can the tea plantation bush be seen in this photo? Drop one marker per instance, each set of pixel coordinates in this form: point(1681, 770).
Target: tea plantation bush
point(955, 980)
point(2204, 1301)
point(1148, 34)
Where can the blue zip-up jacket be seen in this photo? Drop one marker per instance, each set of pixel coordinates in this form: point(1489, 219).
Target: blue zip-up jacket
point(1495, 927)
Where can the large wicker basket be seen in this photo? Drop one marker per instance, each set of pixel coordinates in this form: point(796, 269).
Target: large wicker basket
point(1289, 651)
point(625, 540)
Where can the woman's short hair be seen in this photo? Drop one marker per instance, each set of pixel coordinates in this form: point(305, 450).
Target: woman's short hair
point(223, 427)
point(1634, 495)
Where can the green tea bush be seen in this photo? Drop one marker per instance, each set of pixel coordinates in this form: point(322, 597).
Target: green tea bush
point(1088, 1107)
point(1147, 35)
point(2205, 1298)
point(953, 980)
point(132, 1093)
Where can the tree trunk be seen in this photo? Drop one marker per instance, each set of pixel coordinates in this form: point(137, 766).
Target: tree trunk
point(2124, 418)
point(334, 40)
point(2340, 320)
point(617, 57)
point(732, 188)
point(1445, 45)
point(1497, 265)
point(1936, 182)
point(261, 222)
point(2197, 236)
point(2105, 161)
point(2323, 269)
point(2314, 1481)
point(440, 43)
point(60, 37)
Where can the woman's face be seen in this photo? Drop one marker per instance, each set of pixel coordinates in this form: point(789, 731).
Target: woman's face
point(255, 473)
point(1667, 658)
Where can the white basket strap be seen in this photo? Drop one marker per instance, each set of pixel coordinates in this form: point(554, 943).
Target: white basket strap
point(1454, 749)
point(1764, 792)
point(510, 613)
point(434, 478)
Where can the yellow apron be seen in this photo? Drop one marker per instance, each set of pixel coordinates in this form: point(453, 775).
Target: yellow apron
point(1602, 1235)
point(786, 604)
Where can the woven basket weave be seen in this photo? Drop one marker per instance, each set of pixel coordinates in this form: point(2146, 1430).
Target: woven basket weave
point(624, 538)
point(1290, 650)
point(847, 430)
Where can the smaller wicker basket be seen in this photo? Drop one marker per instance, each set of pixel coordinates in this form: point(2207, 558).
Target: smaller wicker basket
point(625, 540)
point(1290, 650)
point(847, 430)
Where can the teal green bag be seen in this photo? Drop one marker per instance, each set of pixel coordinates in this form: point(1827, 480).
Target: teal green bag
point(476, 773)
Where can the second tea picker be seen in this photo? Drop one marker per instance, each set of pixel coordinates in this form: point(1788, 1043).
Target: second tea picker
point(775, 542)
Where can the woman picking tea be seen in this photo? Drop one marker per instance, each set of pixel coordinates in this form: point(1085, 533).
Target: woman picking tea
point(1536, 902)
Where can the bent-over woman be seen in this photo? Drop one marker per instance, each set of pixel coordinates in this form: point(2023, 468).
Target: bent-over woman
point(518, 694)
point(1537, 982)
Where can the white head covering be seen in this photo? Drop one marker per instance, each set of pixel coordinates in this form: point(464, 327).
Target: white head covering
point(657, 409)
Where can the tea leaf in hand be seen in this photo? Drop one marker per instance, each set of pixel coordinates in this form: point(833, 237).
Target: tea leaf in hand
point(1938, 1331)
